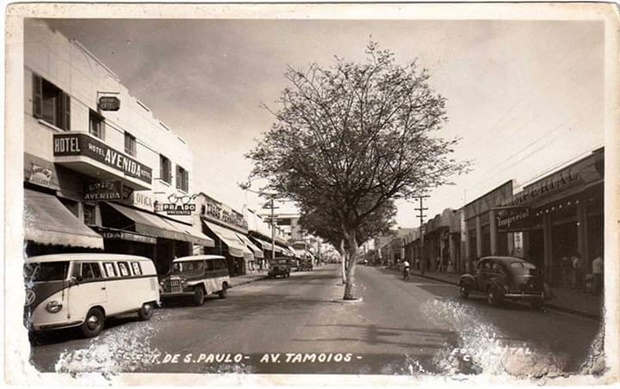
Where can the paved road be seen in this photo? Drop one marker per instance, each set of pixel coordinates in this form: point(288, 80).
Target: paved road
point(299, 325)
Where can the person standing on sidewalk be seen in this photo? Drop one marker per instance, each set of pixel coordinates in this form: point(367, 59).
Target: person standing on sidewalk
point(576, 270)
point(597, 274)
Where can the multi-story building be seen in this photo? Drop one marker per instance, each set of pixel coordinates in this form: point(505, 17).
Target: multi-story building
point(101, 172)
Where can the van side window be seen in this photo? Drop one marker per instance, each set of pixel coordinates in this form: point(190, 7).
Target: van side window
point(91, 271)
point(220, 264)
point(137, 270)
point(110, 271)
point(209, 265)
point(123, 267)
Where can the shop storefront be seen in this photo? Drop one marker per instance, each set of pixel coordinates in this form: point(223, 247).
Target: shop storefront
point(560, 217)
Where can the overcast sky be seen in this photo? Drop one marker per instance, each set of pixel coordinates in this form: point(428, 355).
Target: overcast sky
point(524, 96)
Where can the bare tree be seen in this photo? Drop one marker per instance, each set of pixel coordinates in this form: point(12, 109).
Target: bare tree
point(352, 137)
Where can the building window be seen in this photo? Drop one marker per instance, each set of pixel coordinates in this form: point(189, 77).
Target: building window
point(182, 179)
point(130, 144)
point(96, 124)
point(165, 169)
point(51, 104)
point(89, 215)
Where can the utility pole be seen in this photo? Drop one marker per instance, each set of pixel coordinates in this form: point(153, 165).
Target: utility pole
point(421, 216)
point(273, 231)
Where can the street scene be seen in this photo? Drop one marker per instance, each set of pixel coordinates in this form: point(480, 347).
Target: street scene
point(265, 190)
point(300, 325)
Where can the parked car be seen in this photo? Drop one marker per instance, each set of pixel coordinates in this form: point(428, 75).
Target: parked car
point(196, 276)
point(83, 290)
point(279, 267)
point(305, 264)
point(506, 278)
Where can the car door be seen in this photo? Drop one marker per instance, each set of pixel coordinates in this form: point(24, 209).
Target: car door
point(484, 273)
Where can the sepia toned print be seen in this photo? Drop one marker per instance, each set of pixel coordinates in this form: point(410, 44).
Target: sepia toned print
point(361, 193)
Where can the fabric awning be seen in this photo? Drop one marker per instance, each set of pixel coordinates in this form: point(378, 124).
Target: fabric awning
point(236, 248)
point(196, 236)
point(48, 221)
point(264, 245)
point(154, 225)
point(258, 253)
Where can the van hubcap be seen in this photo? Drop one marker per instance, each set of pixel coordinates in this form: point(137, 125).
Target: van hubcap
point(93, 322)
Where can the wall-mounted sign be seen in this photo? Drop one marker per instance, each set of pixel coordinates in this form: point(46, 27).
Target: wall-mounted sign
point(223, 214)
point(40, 175)
point(177, 205)
point(125, 235)
point(558, 181)
point(103, 190)
point(512, 219)
point(85, 145)
point(109, 103)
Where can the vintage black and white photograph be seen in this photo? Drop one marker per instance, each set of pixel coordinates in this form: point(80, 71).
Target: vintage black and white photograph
point(292, 194)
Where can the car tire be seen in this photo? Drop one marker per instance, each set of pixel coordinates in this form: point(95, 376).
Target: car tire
point(224, 292)
point(494, 296)
point(146, 312)
point(464, 291)
point(199, 296)
point(93, 323)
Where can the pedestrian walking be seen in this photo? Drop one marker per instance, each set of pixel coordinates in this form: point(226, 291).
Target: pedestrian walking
point(597, 274)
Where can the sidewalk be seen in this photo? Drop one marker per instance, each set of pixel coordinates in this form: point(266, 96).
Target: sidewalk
point(247, 278)
point(566, 300)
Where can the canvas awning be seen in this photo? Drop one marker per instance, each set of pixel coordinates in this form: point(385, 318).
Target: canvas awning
point(258, 253)
point(154, 225)
point(48, 221)
point(236, 248)
point(267, 246)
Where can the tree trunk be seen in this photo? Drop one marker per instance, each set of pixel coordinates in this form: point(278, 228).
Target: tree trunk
point(344, 255)
point(350, 281)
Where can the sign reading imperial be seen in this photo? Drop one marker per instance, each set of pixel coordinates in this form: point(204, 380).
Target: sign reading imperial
point(85, 145)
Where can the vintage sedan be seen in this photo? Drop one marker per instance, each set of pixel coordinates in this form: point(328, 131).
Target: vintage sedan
point(506, 278)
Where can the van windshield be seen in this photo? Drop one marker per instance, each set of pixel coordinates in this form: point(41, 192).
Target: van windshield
point(48, 271)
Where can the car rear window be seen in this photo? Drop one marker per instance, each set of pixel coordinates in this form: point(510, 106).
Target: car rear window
point(522, 265)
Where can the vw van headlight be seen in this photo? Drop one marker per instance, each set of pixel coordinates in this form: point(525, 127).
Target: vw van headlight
point(53, 307)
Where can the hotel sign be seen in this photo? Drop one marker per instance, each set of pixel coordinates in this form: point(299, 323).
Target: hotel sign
point(109, 103)
point(87, 146)
point(104, 190)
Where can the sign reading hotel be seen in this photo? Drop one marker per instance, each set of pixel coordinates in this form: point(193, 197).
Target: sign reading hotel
point(224, 215)
point(87, 146)
point(109, 103)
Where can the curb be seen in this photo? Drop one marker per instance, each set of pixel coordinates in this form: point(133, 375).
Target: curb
point(246, 281)
point(548, 305)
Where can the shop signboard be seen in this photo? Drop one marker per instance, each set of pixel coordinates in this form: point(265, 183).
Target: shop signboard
point(177, 205)
point(88, 146)
point(561, 180)
point(106, 190)
point(225, 215)
point(40, 175)
point(127, 235)
point(512, 219)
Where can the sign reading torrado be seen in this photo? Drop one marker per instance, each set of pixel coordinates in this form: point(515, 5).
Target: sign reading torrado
point(225, 215)
point(85, 145)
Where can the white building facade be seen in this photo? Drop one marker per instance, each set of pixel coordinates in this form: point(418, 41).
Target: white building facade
point(101, 172)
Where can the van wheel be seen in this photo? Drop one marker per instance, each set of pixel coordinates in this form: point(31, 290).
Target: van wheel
point(223, 293)
point(146, 311)
point(537, 304)
point(199, 296)
point(93, 323)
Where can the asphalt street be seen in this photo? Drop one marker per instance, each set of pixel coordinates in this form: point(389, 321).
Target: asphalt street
point(301, 325)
